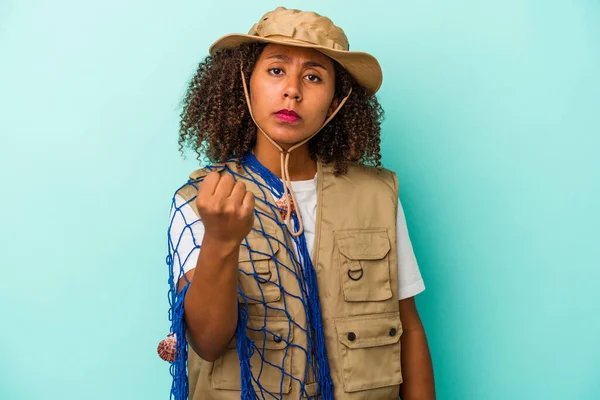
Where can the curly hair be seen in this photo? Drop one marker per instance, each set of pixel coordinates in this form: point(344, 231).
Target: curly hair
point(215, 120)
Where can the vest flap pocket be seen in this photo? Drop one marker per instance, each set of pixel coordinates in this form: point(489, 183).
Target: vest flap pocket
point(271, 361)
point(364, 262)
point(369, 331)
point(257, 248)
point(369, 346)
point(258, 277)
point(367, 244)
point(275, 335)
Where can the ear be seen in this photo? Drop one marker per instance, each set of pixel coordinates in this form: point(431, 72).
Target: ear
point(334, 104)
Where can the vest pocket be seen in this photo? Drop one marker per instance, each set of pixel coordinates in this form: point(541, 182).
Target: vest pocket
point(258, 276)
point(364, 264)
point(370, 350)
point(271, 362)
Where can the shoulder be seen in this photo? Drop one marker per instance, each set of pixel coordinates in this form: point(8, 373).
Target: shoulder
point(373, 175)
point(189, 189)
point(200, 174)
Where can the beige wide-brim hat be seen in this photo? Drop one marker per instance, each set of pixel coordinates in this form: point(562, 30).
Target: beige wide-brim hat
point(309, 29)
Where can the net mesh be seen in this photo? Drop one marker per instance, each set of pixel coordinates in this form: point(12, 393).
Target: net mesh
point(251, 341)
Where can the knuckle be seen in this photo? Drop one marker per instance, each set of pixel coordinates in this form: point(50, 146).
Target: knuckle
point(206, 209)
point(211, 178)
point(201, 201)
point(245, 216)
point(227, 179)
point(225, 207)
point(214, 207)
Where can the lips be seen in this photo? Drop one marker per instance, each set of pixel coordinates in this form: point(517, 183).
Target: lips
point(287, 115)
point(288, 112)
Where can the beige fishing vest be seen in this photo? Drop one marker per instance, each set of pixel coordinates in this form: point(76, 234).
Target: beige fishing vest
point(355, 260)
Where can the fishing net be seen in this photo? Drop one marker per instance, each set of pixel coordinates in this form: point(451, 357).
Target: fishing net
point(251, 339)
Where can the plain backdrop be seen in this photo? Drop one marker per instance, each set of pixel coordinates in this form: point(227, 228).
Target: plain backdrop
point(492, 126)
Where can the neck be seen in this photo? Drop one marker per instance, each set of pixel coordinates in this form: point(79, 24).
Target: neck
point(301, 166)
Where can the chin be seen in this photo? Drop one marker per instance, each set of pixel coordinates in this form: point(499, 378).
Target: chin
point(287, 136)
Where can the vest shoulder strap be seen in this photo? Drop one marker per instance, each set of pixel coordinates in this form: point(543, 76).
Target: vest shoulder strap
point(199, 174)
point(382, 175)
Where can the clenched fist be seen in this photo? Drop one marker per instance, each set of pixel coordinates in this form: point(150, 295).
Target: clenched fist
point(226, 208)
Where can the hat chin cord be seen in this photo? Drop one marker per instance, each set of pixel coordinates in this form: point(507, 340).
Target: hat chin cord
point(288, 193)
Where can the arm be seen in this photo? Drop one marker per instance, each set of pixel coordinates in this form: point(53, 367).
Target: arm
point(417, 369)
point(210, 304)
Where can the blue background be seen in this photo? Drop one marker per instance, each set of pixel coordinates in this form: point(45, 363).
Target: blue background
point(492, 126)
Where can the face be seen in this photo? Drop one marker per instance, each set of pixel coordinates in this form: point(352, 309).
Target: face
point(292, 92)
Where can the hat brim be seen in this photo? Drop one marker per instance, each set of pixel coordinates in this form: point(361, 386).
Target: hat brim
point(363, 67)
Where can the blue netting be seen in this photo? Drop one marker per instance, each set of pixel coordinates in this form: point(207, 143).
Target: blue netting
point(302, 269)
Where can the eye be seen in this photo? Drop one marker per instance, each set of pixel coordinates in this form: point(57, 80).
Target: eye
point(276, 71)
point(313, 78)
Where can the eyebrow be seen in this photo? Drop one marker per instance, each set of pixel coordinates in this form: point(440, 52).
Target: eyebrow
point(306, 64)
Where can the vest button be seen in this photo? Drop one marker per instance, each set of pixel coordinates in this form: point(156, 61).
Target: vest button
point(393, 332)
point(351, 336)
point(277, 338)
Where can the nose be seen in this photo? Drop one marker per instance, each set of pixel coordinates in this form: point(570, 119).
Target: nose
point(292, 90)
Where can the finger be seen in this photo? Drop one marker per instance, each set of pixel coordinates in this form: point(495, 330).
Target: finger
point(209, 184)
point(225, 186)
point(247, 208)
point(237, 193)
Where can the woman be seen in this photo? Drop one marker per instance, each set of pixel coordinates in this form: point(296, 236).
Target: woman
point(292, 274)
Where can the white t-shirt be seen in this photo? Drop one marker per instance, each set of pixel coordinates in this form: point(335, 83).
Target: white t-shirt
point(186, 233)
